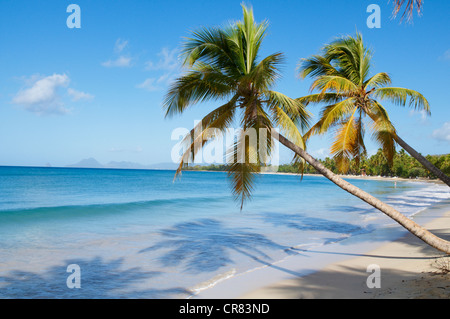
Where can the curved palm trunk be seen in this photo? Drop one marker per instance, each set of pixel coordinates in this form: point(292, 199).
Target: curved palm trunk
point(422, 160)
point(410, 225)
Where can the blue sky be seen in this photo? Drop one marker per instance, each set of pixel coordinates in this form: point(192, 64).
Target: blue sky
point(68, 94)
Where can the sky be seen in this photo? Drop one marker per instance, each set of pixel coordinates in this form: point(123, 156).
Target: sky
point(67, 94)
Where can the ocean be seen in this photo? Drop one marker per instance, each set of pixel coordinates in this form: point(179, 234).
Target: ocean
point(140, 234)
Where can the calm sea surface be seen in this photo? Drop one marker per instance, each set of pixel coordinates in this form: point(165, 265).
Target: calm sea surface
point(138, 234)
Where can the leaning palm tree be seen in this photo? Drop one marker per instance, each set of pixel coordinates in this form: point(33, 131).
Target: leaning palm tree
point(223, 64)
point(342, 78)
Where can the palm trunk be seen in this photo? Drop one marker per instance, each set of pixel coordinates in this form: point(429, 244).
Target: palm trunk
point(410, 225)
point(422, 160)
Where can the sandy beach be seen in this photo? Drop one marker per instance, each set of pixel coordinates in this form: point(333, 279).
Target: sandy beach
point(409, 269)
point(366, 177)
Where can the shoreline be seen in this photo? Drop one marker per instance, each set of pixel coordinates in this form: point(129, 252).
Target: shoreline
point(378, 178)
point(408, 269)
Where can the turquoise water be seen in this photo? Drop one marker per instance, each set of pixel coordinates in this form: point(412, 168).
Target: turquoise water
point(138, 234)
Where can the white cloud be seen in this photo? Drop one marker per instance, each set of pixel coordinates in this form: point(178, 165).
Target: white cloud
point(442, 133)
point(165, 69)
point(168, 61)
point(120, 62)
point(423, 114)
point(149, 85)
point(164, 78)
point(42, 97)
point(120, 45)
point(78, 95)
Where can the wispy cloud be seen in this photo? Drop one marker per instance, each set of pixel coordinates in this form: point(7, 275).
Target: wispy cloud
point(120, 45)
point(123, 60)
point(43, 95)
point(165, 69)
point(149, 85)
point(424, 120)
point(78, 95)
point(442, 133)
point(156, 84)
point(168, 61)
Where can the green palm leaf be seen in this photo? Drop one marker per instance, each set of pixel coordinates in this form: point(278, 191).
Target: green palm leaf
point(400, 96)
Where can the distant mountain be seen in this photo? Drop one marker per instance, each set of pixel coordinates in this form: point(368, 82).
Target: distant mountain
point(87, 163)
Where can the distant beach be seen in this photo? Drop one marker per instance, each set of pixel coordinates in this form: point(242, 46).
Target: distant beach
point(379, 178)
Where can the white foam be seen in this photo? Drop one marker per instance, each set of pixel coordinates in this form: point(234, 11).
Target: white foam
point(212, 282)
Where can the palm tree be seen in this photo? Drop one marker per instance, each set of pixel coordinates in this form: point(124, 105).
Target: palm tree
point(342, 76)
point(223, 64)
point(409, 8)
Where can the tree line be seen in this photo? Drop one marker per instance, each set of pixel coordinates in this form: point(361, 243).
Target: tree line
point(404, 166)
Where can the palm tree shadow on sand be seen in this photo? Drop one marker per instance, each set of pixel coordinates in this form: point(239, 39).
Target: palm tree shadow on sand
point(205, 245)
point(301, 222)
point(100, 279)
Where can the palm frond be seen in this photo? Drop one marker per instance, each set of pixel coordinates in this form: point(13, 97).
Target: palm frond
point(211, 46)
point(288, 127)
point(331, 115)
point(293, 108)
point(383, 131)
point(196, 86)
point(249, 35)
point(243, 165)
point(378, 80)
point(329, 98)
point(345, 143)
point(217, 120)
point(333, 83)
point(266, 72)
point(350, 57)
point(314, 66)
point(409, 8)
point(400, 96)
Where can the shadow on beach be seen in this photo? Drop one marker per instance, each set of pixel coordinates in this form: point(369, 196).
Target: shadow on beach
point(205, 245)
point(419, 278)
point(99, 280)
